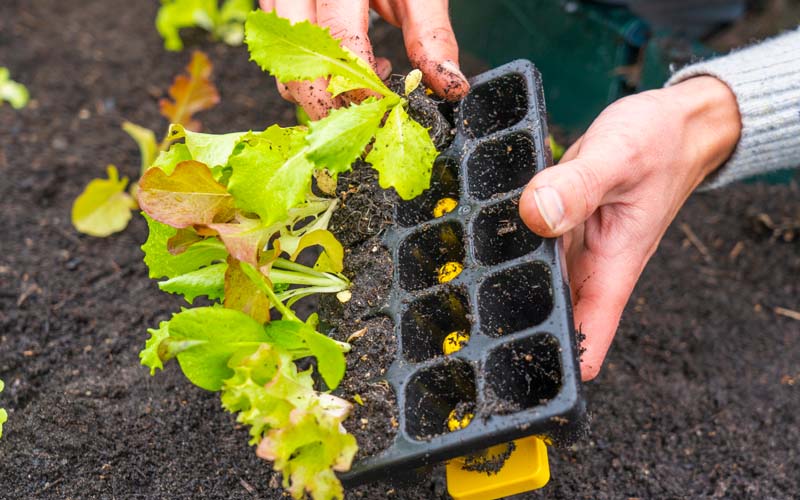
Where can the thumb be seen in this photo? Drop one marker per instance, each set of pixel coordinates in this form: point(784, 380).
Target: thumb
point(563, 196)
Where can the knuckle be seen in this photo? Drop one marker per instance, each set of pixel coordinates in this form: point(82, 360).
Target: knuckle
point(442, 35)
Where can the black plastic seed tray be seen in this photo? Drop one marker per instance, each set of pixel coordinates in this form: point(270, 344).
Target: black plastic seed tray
point(518, 374)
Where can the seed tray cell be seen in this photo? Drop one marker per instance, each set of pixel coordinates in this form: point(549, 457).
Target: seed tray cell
point(517, 371)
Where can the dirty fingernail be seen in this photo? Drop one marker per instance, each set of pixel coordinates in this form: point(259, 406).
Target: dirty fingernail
point(549, 204)
point(452, 68)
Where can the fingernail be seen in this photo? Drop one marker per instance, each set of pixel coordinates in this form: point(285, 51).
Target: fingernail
point(452, 68)
point(549, 204)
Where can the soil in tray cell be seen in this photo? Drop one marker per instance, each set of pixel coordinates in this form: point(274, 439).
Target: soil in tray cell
point(429, 320)
point(523, 374)
point(500, 234)
point(432, 255)
point(515, 299)
point(432, 202)
point(501, 165)
point(494, 105)
point(433, 393)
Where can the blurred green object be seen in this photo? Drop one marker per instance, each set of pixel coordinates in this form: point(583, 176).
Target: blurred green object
point(589, 54)
point(581, 49)
point(12, 92)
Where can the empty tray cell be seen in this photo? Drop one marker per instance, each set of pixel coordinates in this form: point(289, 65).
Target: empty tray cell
point(444, 187)
point(436, 395)
point(523, 374)
point(500, 234)
point(501, 165)
point(431, 251)
point(429, 320)
point(494, 105)
point(515, 299)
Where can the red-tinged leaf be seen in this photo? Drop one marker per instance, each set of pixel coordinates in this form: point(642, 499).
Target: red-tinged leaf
point(189, 196)
point(191, 93)
point(243, 295)
point(183, 239)
point(244, 238)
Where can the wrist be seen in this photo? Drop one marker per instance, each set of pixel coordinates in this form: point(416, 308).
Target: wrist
point(710, 117)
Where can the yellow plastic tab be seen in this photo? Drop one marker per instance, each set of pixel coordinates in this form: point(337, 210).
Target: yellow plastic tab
point(454, 342)
point(525, 470)
point(444, 206)
point(449, 271)
point(456, 422)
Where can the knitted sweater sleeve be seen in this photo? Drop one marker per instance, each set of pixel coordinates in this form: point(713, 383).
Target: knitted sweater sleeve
point(766, 81)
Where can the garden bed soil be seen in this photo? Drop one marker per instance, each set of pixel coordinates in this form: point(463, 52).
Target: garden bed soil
point(700, 395)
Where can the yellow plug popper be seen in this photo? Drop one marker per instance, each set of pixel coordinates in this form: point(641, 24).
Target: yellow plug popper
point(501, 470)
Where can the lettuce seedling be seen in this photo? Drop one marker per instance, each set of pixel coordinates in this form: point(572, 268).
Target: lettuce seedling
point(12, 92)
point(212, 236)
point(224, 22)
point(104, 207)
point(402, 152)
point(230, 217)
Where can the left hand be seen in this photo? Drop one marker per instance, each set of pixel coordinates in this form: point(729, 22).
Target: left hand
point(428, 35)
point(618, 188)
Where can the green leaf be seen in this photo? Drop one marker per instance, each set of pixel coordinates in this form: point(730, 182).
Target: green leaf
point(271, 173)
point(226, 23)
point(208, 281)
point(555, 148)
point(150, 356)
point(168, 160)
point(304, 51)
point(189, 196)
point(403, 155)
point(161, 263)
point(211, 149)
point(213, 335)
point(311, 449)
point(146, 140)
point(232, 17)
point(265, 388)
point(104, 207)
point(330, 358)
point(330, 259)
point(175, 15)
point(14, 93)
point(337, 140)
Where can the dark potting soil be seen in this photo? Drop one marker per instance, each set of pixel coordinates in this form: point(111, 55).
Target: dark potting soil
point(700, 396)
point(364, 213)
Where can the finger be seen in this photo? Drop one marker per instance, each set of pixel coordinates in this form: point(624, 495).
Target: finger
point(383, 67)
point(310, 95)
point(348, 20)
point(296, 10)
point(563, 196)
point(313, 97)
point(267, 5)
point(284, 91)
point(601, 286)
point(432, 47)
point(386, 9)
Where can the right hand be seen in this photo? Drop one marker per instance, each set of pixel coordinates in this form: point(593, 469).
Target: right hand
point(428, 35)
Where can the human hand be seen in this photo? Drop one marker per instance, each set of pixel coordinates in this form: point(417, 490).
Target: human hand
point(428, 36)
point(617, 189)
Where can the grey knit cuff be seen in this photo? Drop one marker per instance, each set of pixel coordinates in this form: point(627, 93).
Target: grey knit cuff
point(766, 81)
